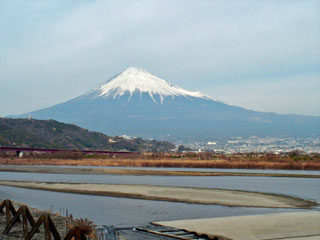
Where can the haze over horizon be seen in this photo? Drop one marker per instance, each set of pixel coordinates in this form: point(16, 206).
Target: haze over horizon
point(261, 55)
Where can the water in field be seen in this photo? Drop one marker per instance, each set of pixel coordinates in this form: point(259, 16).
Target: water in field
point(131, 212)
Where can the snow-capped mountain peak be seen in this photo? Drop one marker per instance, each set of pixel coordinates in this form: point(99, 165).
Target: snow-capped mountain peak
point(136, 79)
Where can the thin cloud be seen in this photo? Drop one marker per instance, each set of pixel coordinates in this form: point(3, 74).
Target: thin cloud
point(197, 45)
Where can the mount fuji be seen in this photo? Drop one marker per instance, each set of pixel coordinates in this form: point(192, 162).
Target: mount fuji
point(139, 104)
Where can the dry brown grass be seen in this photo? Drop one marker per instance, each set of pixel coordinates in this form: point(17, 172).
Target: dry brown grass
point(188, 160)
point(86, 226)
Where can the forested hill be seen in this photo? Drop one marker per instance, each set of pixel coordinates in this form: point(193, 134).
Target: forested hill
point(53, 134)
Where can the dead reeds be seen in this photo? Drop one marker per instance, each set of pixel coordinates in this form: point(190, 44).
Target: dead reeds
point(178, 160)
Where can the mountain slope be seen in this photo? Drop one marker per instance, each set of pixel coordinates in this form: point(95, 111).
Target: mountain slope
point(53, 134)
point(138, 103)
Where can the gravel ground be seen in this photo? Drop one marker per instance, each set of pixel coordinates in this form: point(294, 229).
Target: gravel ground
point(16, 231)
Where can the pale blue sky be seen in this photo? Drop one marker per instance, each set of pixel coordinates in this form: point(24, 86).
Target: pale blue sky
point(262, 55)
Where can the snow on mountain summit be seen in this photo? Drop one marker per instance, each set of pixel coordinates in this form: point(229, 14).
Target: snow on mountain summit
point(136, 79)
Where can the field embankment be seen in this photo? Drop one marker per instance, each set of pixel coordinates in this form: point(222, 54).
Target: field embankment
point(142, 172)
point(174, 194)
